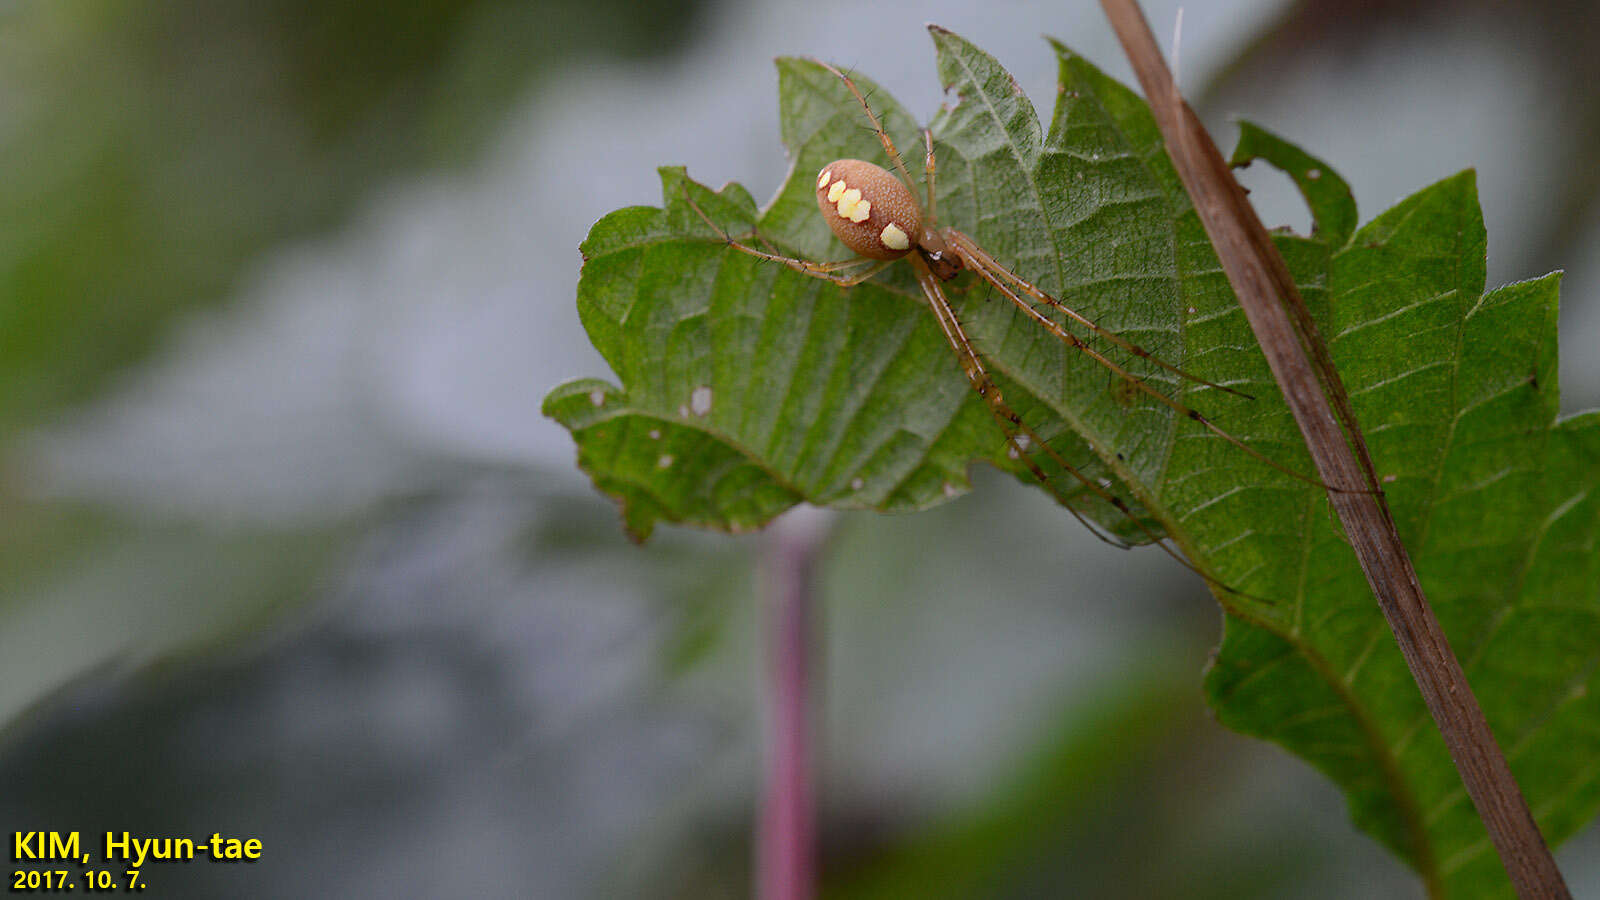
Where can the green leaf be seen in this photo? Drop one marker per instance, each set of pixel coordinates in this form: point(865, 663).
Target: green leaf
point(748, 387)
point(1496, 498)
point(1333, 207)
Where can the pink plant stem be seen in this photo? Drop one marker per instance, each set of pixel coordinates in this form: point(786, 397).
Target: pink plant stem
point(786, 851)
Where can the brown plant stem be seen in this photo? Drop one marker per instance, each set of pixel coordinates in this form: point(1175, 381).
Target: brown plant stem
point(1284, 328)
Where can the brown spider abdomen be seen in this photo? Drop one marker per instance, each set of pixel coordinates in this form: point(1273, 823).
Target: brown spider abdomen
point(870, 210)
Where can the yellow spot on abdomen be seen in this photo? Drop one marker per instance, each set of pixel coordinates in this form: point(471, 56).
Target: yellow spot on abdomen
point(852, 207)
point(893, 238)
point(822, 180)
point(835, 191)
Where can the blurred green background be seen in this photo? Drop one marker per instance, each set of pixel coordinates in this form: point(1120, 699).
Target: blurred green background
point(286, 550)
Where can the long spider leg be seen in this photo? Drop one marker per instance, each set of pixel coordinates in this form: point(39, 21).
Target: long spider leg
point(877, 126)
point(928, 216)
point(1009, 422)
point(971, 247)
point(826, 271)
point(976, 263)
point(1012, 424)
point(754, 233)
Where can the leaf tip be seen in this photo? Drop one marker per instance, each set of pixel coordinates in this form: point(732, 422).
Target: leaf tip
point(1063, 52)
point(637, 535)
point(787, 65)
point(945, 40)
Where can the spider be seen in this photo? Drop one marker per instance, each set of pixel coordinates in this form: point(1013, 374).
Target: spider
point(876, 214)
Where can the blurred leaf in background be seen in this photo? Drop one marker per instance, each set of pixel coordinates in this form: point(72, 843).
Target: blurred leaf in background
point(151, 152)
point(151, 148)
